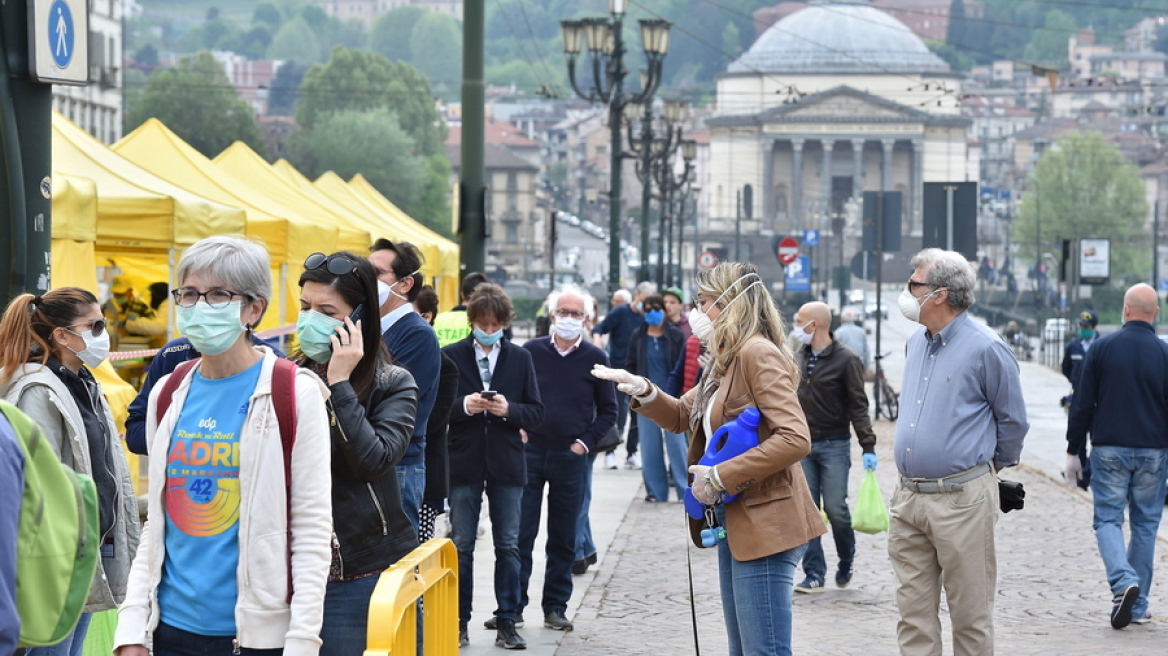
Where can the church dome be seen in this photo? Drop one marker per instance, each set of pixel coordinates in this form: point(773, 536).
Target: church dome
point(839, 37)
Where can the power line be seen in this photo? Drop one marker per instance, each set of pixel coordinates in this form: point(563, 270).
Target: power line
point(534, 40)
point(518, 41)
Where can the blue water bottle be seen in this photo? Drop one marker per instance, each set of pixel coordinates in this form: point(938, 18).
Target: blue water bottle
point(730, 441)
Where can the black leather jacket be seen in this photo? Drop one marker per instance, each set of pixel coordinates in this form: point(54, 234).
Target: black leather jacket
point(368, 439)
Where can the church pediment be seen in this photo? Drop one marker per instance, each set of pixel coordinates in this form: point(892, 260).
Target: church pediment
point(843, 104)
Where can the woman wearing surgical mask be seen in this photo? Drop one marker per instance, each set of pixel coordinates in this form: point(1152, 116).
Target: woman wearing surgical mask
point(654, 349)
point(236, 553)
point(771, 519)
point(44, 341)
point(374, 403)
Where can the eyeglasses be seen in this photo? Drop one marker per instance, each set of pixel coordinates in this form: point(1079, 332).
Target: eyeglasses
point(96, 327)
point(338, 265)
point(216, 298)
point(569, 314)
point(913, 283)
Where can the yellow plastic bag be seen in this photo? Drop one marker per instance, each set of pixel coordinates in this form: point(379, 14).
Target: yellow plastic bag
point(870, 515)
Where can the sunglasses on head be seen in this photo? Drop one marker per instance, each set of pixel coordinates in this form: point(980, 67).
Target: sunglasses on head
point(338, 265)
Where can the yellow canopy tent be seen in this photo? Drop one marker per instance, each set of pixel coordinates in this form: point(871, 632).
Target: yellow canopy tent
point(448, 248)
point(290, 234)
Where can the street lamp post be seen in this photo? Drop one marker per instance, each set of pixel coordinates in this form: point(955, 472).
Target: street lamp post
point(606, 51)
point(655, 155)
point(668, 184)
point(689, 149)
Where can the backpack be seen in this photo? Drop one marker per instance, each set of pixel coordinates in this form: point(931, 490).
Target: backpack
point(57, 539)
point(284, 400)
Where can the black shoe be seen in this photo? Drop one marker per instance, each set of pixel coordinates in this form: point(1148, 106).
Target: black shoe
point(507, 638)
point(556, 620)
point(1121, 611)
point(581, 566)
point(493, 622)
point(463, 636)
point(843, 575)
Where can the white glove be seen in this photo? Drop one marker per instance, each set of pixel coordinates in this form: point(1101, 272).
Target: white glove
point(625, 382)
point(1073, 471)
point(703, 490)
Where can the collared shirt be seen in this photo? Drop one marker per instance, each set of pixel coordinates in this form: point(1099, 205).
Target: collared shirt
point(388, 320)
point(564, 352)
point(492, 359)
point(961, 405)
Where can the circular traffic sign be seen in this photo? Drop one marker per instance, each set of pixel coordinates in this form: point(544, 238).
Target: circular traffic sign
point(707, 260)
point(788, 250)
point(61, 37)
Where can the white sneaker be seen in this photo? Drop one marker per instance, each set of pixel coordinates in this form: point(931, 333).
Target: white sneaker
point(633, 461)
point(1143, 619)
point(610, 460)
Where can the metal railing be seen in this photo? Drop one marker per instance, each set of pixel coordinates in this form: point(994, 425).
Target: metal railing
point(428, 573)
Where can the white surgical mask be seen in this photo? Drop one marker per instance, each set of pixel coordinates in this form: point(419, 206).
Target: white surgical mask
point(568, 328)
point(96, 348)
point(801, 334)
point(391, 290)
point(701, 325)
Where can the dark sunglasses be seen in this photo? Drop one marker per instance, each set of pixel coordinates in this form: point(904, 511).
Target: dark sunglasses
point(913, 283)
point(96, 328)
point(338, 265)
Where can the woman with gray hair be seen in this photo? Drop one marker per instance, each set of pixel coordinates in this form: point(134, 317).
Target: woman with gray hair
point(236, 553)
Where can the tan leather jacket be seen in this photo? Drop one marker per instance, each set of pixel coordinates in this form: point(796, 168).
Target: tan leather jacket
point(774, 511)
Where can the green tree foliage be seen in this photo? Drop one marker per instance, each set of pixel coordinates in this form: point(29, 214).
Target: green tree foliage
point(1049, 45)
point(518, 73)
point(196, 101)
point(731, 43)
point(286, 88)
point(296, 40)
point(1084, 187)
point(957, 58)
point(436, 47)
point(358, 80)
point(390, 36)
point(957, 34)
point(268, 12)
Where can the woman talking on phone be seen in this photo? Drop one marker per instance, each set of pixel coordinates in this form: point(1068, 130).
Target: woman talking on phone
point(747, 365)
point(374, 403)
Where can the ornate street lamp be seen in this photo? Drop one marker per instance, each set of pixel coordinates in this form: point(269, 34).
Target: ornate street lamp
point(655, 154)
point(604, 41)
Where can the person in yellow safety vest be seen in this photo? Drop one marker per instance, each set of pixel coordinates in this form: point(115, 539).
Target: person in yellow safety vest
point(453, 326)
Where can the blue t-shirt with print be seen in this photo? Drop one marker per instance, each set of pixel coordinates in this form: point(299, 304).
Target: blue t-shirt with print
point(199, 589)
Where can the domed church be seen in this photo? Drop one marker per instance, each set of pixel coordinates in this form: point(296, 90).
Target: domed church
point(835, 99)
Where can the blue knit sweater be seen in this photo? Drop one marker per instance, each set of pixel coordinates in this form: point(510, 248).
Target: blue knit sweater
point(579, 405)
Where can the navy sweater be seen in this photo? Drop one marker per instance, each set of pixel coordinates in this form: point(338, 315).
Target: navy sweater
point(413, 344)
point(580, 405)
point(1122, 395)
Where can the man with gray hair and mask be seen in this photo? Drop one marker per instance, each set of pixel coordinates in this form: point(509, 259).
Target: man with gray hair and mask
point(962, 419)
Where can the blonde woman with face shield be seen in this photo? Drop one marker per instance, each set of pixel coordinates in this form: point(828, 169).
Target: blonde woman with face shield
point(768, 524)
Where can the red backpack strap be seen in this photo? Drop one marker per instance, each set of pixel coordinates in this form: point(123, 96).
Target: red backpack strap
point(170, 385)
point(284, 401)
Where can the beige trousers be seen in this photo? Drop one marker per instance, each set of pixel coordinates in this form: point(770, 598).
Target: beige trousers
point(945, 538)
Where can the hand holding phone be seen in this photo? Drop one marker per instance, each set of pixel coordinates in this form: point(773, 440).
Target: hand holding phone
point(488, 394)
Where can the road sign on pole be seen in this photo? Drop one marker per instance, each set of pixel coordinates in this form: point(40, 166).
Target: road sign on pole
point(811, 238)
point(799, 275)
point(60, 41)
point(788, 250)
point(707, 260)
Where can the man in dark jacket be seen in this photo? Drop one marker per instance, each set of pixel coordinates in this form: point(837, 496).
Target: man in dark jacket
point(1122, 401)
point(619, 324)
point(497, 396)
point(831, 392)
point(1072, 366)
point(558, 449)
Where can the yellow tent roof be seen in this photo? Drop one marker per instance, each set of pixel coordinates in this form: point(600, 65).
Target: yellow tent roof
point(290, 234)
point(449, 249)
point(137, 209)
point(74, 208)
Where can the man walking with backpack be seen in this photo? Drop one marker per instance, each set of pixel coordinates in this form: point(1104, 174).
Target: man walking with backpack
point(11, 493)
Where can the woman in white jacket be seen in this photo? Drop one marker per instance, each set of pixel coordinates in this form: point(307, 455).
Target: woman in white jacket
point(232, 561)
point(44, 341)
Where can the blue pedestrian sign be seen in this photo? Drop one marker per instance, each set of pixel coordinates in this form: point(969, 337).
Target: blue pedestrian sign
point(60, 41)
point(810, 237)
point(1164, 285)
point(799, 275)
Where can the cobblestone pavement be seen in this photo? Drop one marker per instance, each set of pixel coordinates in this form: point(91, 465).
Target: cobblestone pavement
point(1052, 591)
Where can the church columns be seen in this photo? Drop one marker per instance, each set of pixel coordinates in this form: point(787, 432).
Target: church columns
point(768, 183)
point(797, 183)
point(917, 183)
point(886, 167)
point(825, 175)
point(857, 168)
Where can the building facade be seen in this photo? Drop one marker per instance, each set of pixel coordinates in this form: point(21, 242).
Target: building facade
point(97, 107)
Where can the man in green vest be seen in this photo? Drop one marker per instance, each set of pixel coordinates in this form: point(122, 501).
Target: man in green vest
point(452, 326)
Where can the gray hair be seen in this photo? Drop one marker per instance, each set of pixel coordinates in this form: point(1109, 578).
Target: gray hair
point(647, 287)
point(950, 270)
point(621, 297)
point(234, 261)
point(553, 300)
point(848, 316)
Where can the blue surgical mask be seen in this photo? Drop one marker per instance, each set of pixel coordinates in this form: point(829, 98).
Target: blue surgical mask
point(654, 317)
point(211, 330)
point(315, 331)
point(488, 339)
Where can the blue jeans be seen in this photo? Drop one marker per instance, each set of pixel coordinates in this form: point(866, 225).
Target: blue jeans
point(1123, 476)
point(585, 547)
point(346, 617)
point(654, 442)
point(411, 480)
point(465, 503)
point(70, 646)
point(826, 469)
point(562, 472)
point(756, 600)
point(173, 641)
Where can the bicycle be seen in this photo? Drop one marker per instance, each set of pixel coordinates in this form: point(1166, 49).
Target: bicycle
point(888, 399)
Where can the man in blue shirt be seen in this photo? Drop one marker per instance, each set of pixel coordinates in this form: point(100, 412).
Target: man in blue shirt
point(412, 344)
point(619, 324)
point(11, 494)
point(962, 418)
point(1121, 399)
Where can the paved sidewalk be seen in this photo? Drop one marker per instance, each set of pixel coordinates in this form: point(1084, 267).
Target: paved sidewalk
point(1052, 592)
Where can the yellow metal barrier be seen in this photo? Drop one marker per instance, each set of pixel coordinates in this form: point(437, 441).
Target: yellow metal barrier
point(429, 573)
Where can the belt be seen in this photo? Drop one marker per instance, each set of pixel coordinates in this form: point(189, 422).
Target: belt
point(954, 483)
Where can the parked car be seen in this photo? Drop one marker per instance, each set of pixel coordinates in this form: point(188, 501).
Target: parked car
point(856, 297)
point(1055, 330)
point(870, 311)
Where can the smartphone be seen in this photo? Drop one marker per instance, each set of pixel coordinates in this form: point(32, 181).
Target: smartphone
point(488, 394)
point(354, 317)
